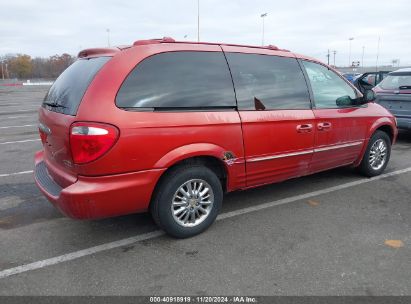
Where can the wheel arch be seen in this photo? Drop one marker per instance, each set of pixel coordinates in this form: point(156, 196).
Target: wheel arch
point(384, 124)
point(215, 157)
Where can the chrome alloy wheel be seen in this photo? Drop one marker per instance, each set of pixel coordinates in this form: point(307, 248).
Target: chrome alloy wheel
point(378, 154)
point(192, 203)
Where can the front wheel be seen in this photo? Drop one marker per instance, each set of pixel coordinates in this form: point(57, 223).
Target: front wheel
point(188, 201)
point(377, 155)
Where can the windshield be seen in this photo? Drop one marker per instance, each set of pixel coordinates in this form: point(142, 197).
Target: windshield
point(67, 91)
point(395, 81)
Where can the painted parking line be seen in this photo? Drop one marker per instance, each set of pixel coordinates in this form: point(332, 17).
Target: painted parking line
point(14, 117)
point(22, 126)
point(25, 111)
point(146, 236)
point(16, 173)
point(19, 141)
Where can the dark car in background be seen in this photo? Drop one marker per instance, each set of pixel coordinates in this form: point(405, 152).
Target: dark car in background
point(394, 93)
point(367, 81)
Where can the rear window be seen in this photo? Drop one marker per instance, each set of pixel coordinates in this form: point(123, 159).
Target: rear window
point(183, 80)
point(396, 81)
point(67, 91)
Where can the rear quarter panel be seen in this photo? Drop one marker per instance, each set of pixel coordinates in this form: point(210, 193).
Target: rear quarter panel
point(154, 140)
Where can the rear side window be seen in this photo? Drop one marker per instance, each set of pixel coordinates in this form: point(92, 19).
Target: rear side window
point(179, 80)
point(67, 91)
point(396, 81)
point(265, 82)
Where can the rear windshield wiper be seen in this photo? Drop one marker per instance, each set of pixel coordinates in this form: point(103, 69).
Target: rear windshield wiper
point(406, 87)
point(53, 105)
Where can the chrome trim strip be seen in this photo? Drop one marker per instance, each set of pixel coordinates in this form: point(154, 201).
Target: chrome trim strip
point(262, 158)
point(357, 143)
point(256, 159)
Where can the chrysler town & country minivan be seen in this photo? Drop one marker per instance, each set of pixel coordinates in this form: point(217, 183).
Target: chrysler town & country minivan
point(169, 127)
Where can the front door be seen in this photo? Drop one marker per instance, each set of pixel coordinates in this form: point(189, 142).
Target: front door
point(340, 125)
point(275, 111)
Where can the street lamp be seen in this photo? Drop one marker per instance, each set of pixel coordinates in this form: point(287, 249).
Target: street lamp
point(263, 17)
point(378, 53)
point(198, 20)
point(334, 52)
point(108, 37)
point(349, 54)
point(328, 57)
point(362, 57)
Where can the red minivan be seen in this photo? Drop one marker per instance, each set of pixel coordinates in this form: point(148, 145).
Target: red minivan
point(170, 126)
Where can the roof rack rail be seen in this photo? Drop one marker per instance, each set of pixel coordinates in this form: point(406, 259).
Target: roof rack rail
point(154, 41)
point(171, 40)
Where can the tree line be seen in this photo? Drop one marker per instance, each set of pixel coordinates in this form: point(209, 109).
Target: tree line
point(22, 66)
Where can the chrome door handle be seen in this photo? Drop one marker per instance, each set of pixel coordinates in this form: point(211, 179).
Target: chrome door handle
point(306, 128)
point(323, 126)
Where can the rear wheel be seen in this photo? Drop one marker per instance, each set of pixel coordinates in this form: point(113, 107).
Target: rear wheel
point(377, 155)
point(188, 201)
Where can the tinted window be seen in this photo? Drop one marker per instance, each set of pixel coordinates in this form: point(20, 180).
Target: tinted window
point(395, 81)
point(329, 89)
point(179, 80)
point(67, 91)
point(265, 82)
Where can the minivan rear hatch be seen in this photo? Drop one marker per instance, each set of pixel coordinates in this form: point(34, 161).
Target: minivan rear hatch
point(394, 93)
point(58, 112)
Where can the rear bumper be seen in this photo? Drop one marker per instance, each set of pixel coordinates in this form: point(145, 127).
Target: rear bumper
point(98, 197)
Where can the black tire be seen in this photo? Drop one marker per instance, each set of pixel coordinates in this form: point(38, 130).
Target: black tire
point(161, 205)
point(365, 167)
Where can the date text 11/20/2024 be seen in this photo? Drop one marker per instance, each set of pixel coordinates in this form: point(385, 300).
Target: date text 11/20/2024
point(203, 299)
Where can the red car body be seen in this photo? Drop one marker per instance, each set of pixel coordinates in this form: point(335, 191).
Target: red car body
point(252, 147)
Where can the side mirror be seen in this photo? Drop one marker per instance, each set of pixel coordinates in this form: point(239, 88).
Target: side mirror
point(344, 101)
point(369, 96)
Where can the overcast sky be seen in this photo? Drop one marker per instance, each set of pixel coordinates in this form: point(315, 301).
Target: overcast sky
point(47, 27)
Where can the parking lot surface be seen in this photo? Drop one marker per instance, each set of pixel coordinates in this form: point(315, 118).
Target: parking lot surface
point(334, 233)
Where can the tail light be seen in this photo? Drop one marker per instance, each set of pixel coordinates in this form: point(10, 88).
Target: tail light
point(89, 141)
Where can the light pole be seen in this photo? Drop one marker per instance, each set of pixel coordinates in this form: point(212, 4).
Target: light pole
point(108, 37)
point(2, 70)
point(362, 57)
point(349, 53)
point(263, 17)
point(378, 53)
point(198, 20)
point(328, 57)
point(334, 52)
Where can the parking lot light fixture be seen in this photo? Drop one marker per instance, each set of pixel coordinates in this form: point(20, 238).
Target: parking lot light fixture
point(328, 57)
point(263, 17)
point(108, 37)
point(378, 53)
point(349, 53)
point(362, 57)
point(198, 20)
